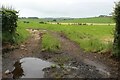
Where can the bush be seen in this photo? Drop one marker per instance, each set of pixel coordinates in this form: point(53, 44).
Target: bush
point(26, 21)
point(54, 20)
point(116, 44)
point(9, 24)
point(41, 22)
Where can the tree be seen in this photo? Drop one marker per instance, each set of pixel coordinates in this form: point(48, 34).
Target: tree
point(116, 45)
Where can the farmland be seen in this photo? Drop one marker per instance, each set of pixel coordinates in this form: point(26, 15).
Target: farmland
point(94, 38)
point(91, 20)
point(59, 39)
point(82, 48)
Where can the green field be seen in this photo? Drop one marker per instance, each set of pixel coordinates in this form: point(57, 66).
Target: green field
point(90, 20)
point(76, 20)
point(94, 38)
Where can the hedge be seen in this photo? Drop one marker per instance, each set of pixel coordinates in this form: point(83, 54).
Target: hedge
point(9, 24)
point(117, 30)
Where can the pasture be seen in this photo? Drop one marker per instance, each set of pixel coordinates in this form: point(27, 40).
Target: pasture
point(90, 20)
point(94, 38)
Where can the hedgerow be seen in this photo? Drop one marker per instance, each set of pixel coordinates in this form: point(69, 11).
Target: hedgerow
point(117, 30)
point(9, 24)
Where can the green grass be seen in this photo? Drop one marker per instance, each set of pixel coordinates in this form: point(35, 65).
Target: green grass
point(89, 37)
point(91, 20)
point(23, 34)
point(18, 38)
point(50, 43)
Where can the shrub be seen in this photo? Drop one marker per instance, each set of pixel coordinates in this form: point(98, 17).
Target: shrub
point(84, 24)
point(79, 24)
point(26, 21)
point(54, 20)
point(9, 24)
point(41, 22)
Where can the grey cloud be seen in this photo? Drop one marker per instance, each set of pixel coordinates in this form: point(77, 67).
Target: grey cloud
point(59, 8)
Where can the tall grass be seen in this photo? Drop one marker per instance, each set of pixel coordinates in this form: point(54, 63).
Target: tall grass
point(23, 34)
point(50, 43)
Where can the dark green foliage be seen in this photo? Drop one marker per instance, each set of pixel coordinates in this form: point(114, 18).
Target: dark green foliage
point(58, 23)
point(0, 26)
point(41, 22)
point(84, 24)
point(26, 21)
point(79, 24)
point(54, 20)
point(117, 30)
point(9, 24)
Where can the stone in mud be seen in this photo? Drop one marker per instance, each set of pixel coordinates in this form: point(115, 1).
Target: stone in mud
point(53, 66)
point(22, 48)
point(7, 72)
point(22, 45)
point(43, 50)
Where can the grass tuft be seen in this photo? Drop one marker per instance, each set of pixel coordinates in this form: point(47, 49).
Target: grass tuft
point(50, 43)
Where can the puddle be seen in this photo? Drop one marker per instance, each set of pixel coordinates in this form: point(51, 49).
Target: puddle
point(36, 68)
point(30, 68)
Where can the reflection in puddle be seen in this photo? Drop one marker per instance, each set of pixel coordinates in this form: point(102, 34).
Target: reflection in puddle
point(18, 71)
point(30, 68)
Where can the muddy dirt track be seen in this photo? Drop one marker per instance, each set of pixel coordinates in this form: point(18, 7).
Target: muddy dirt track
point(71, 60)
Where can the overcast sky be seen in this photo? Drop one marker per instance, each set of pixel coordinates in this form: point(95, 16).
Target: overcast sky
point(61, 8)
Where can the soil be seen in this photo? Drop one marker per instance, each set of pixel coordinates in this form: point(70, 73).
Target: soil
point(71, 60)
